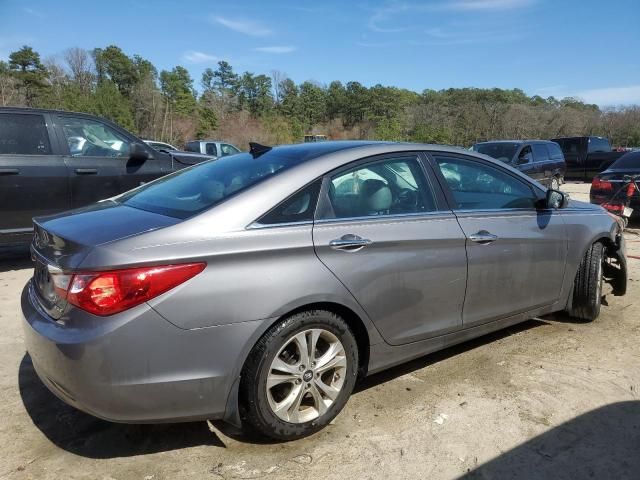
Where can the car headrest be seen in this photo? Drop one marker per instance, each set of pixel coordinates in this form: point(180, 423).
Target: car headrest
point(377, 196)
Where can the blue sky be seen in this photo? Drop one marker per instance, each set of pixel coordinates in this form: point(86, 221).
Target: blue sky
point(584, 48)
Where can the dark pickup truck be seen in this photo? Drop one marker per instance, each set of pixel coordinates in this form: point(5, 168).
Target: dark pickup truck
point(52, 161)
point(586, 156)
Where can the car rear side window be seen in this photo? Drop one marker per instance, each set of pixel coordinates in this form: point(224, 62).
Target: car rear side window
point(540, 152)
point(570, 146)
point(475, 185)
point(192, 147)
point(554, 151)
point(190, 191)
point(385, 187)
point(23, 134)
point(299, 207)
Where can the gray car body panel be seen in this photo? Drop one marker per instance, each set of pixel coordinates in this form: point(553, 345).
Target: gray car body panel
point(256, 274)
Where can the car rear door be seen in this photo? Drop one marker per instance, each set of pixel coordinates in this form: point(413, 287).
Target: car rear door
point(33, 176)
point(97, 158)
point(575, 152)
point(542, 164)
point(386, 234)
point(516, 253)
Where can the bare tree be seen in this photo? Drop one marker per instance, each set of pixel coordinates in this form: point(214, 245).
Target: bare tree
point(81, 67)
point(10, 94)
point(277, 77)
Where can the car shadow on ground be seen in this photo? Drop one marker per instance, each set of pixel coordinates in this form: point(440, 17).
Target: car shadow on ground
point(88, 436)
point(15, 258)
point(602, 443)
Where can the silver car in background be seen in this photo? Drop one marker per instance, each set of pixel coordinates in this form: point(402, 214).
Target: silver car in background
point(258, 287)
point(214, 148)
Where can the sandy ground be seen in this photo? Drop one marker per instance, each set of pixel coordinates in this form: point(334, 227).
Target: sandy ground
point(550, 398)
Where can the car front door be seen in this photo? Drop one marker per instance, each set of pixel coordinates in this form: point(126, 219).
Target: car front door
point(516, 253)
point(99, 163)
point(386, 234)
point(33, 176)
point(525, 162)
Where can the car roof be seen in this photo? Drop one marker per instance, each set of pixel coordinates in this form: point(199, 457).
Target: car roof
point(515, 141)
point(46, 110)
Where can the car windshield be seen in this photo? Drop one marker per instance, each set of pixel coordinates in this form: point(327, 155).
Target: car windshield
point(499, 150)
point(193, 190)
point(629, 160)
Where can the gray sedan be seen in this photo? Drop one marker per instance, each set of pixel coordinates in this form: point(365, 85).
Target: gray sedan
point(258, 288)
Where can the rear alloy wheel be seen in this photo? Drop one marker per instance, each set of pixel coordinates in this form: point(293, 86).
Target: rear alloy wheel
point(299, 375)
point(555, 183)
point(587, 287)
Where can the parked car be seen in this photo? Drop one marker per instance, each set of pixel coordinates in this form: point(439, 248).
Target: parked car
point(586, 156)
point(259, 287)
point(211, 147)
point(542, 160)
point(609, 183)
point(160, 146)
point(52, 161)
point(315, 138)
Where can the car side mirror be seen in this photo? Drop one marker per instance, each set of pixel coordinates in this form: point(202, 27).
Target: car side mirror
point(526, 158)
point(138, 152)
point(556, 199)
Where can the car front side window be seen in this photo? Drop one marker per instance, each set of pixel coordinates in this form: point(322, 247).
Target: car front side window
point(478, 186)
point(211, 149)
point(387, 187)
point(89, 138)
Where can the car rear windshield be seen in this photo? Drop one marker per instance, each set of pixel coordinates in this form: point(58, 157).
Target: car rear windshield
point(629, 160)
point(193, 190)
point(501, 151)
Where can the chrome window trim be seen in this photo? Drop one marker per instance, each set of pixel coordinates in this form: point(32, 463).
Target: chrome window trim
point(417, 215)
point(258, 226)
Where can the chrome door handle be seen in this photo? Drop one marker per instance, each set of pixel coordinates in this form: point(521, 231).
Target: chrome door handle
point(86, 171)
point(350, 243)
point(483, 237)
point(9, 171)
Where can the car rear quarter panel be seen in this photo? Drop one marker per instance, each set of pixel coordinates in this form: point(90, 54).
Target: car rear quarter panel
point(253, 274)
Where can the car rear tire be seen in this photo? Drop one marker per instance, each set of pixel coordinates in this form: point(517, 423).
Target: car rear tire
point(299, 375)
point(587, 287)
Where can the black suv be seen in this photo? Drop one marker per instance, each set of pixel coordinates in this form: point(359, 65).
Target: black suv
point(542, 160)
point(52, 161)
point(587, 156)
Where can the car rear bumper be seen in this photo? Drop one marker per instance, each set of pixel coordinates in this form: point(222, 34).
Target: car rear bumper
point(136, 367)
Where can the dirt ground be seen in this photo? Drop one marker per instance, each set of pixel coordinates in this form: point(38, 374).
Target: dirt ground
point(550, 398)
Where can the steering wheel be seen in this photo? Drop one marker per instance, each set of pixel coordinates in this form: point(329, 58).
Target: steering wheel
point(407, 199)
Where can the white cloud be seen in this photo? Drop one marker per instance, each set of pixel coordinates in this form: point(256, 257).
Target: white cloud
point(248, 27)
point(380, 19)
point(31, 11)
point(603, 97)
point(276, 49)
point(194, 56)
point(475, 5)
point(611, 95)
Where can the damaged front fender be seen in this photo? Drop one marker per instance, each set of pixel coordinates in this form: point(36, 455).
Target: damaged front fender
point(615, 266)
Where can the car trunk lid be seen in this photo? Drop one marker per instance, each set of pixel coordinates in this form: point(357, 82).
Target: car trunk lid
point(61, 243)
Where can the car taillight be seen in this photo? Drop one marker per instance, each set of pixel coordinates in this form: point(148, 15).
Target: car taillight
point(602, 185)
point(106, 293)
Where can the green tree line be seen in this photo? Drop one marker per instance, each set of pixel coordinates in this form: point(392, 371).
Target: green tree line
point(243, 107)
